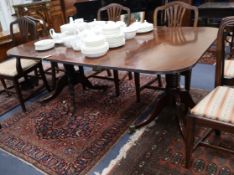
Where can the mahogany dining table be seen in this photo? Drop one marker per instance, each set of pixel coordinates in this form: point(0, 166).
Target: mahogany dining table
point(165, 50)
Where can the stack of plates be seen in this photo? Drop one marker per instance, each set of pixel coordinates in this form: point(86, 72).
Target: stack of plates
point(113, 35)
point(129, 32)
point(142, 27)
point(94, 46)
point(44, 44)
point(145, 27)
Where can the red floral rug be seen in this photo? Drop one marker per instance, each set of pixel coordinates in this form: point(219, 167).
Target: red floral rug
point(9, 100)
point(160, 151)
point(48, 137)
point(209, 57)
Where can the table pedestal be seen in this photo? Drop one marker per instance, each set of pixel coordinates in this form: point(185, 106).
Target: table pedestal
point(70, 79)
point(172, 95)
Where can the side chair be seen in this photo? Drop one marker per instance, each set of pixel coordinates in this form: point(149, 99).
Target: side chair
point(171, 14)
point(216, 110)
point(13, 68)
point(42, 27)
point(110, 12)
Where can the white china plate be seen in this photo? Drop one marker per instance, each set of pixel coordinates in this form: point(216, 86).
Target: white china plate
point(117, 44)
point(145, 30)
point(94, 55)
point(92, 50)
point(44, 44)
point(44, 48)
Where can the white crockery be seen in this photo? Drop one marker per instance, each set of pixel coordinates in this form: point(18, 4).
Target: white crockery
point(76, 45)
point(136, 25)
point(44, 44)
point(129, 32)
point(57, 37)
point(94, 40)
point(121, 24)
point(69, 40)
point(68, 28)
point(145, 27)
point(115, 44)
point(111, 28)
point(95, 51)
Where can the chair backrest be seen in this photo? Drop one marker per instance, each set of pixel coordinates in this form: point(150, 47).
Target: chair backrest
point(225, 33)
point(113, 12)
point(173, 13)
point(27, 30)
point(41, 25)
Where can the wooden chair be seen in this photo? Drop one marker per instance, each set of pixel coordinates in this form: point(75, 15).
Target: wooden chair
point(215, 111)
point(171, 14)
point(111, 12)
point(15, 68)
point(42, 28)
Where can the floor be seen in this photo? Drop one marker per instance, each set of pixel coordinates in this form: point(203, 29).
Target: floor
point(202, 77)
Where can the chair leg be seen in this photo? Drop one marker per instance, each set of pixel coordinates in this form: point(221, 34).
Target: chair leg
point(217, 132)
point(53, 73)
point(116, 80)
point(81, 70)
point(189, 140)
point(37, 76)
point(43, 77)
point(137, 85)
point(4, 84)
point(108, 73)
point(187, 75)
point(57, 67)
point(19, 94)
point(130, 75)
point(159, 80)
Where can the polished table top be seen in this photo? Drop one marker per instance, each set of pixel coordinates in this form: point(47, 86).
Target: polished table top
point(165, 50)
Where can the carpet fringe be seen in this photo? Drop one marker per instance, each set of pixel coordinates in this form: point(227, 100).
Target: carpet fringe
point(123, 151)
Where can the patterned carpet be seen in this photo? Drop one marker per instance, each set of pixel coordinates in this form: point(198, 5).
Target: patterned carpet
point(9, 101)
point(48, 137)
point(160, 151)
point(209, 57)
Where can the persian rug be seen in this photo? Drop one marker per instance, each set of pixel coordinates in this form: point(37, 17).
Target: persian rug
point(209, 57)
point(53, 140)
point(160, 151)
point(9, 101)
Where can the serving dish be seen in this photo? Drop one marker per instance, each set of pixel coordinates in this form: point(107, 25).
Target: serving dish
point(45, 44)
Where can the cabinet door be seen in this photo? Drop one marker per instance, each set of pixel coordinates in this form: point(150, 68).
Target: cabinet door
point(56, 14)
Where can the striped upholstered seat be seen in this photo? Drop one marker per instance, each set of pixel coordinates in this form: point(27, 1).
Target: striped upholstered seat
point(217, 105)
point(229, 69)
point(8, 67)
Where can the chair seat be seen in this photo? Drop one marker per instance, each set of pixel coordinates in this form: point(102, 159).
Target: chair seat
point(229, 69)
point(217, 105)
point(8, 67)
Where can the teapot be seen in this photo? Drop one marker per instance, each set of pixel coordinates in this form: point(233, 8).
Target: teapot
point(57, 37)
